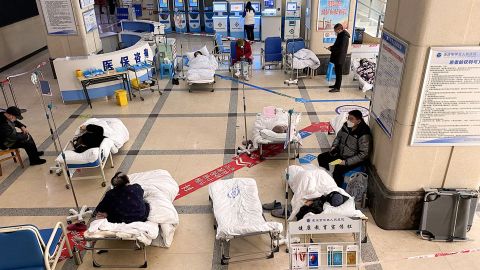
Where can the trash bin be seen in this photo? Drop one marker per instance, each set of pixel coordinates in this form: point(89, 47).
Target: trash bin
point(358, 35)
point(121, 96)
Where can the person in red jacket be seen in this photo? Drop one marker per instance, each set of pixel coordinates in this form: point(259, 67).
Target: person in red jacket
point(243, 54)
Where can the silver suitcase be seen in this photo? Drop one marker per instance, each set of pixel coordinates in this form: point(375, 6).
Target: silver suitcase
point(448, 214)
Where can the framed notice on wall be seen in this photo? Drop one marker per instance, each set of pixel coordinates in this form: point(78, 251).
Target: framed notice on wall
point(449, 110)
point(59, 18)
point(331, 12)
point(388, 80)
point(90, 20)
point(86, 3)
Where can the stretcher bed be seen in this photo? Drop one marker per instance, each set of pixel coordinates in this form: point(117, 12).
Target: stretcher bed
point(238, 213)
point(201, 69)
point(312, 182)
point(262, 133)
point(160, 190)
point(116, 134)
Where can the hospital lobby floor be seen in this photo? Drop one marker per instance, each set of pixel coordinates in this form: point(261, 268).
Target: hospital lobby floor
point(189, 134)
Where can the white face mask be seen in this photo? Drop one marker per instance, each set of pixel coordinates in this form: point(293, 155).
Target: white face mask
point(350, 124)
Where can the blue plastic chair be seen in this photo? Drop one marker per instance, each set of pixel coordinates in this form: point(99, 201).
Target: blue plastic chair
point(166, 69)
point(23, 247)
point(272, 54)
point(222, 52)
point(330, 72)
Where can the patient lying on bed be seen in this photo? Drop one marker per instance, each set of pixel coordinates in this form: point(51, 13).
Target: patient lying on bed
point(315, 205)
point(123, 203)
point(91, 137)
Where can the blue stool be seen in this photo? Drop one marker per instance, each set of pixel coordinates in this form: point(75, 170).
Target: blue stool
point(330, 72)
point(166, 69)
point(360, 168)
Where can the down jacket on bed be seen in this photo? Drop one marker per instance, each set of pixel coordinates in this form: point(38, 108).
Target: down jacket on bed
point(315, 182)
point(202, 68)
point(237, 208)
point(160, 189)
point(262, 128)
point(116, 135)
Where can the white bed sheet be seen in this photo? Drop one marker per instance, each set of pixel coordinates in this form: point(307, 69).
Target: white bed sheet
point(202, 68)
point(238, 209)
point(313, 182)
point(262, 128)
point(160, 189)
point(116, 134)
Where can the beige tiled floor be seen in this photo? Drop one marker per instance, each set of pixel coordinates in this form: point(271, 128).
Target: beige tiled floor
point(187, 147)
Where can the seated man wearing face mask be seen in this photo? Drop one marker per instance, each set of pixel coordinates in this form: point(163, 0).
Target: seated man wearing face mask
point(351, 146)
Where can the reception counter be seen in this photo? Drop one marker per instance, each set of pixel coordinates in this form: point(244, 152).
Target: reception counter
point(71, 88)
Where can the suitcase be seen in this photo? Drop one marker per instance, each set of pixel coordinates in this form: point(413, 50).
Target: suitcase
point(448, 214)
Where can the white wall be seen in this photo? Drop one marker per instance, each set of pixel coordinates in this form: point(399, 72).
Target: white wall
point(20, 39)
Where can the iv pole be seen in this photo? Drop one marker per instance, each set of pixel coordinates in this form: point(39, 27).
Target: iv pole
point(74, 214)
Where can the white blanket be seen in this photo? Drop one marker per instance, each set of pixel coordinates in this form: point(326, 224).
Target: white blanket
point(160, 191)
point(305, 58)
point(238, 209)
point(202, 68)
point(313, 183)
point(262, 128)
point(116, 134)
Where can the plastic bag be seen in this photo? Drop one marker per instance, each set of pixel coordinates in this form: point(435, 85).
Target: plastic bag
point(357, 185)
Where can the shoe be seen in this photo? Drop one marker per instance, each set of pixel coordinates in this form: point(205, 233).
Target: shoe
point(40, 153)
point(37, 162)
point(247, 78)
point(334, 90)
point(271, 206)
point(280, 213)
point(237, 74)
point(331, 86)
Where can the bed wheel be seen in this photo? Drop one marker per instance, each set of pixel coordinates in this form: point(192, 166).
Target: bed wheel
point(224, 261)
point(271, 255)
point(212, 90)
point(95, 264)
point(276, 249)
point(67, 186)
point(59, 173)
point(134, 95)
point(142, 99)
point(215, 227)
point(145, 265)
point(104, 184)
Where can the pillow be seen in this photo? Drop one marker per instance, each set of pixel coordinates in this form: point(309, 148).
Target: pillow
point(205, 51)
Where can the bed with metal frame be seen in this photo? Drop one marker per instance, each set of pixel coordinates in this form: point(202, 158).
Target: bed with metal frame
point(273, 233)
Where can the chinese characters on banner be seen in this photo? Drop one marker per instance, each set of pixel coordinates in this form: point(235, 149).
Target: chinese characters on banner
point(449, 108)
point(125, 60)
point(319, 224)
point(331, 12)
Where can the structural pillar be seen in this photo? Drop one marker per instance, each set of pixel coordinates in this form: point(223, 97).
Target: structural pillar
point(82, 43)
point(399, 171)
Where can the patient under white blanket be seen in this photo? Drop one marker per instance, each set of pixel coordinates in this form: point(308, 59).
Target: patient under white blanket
point(263, 133)
point(202, 68)
point(313, 182)
point(305, 58)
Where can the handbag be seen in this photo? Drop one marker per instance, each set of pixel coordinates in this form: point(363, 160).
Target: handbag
point(357, 185)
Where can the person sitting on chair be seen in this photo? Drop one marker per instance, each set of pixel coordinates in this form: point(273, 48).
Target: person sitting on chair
point(11, 138)
point(243, 53)
point(91, 137)
point(351, 146)
point(124, 203)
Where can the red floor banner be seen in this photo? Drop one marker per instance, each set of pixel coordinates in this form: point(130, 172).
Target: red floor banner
point(243, 161)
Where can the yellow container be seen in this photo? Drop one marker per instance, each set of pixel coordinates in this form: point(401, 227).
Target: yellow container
point(135, 83)
point(121, 96)
point(78, 73)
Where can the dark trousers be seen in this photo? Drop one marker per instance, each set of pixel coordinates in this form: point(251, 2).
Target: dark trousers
point(111, 6)
point(29, 145)
point(339, 171)
point(338, 75)
point(249, 31)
